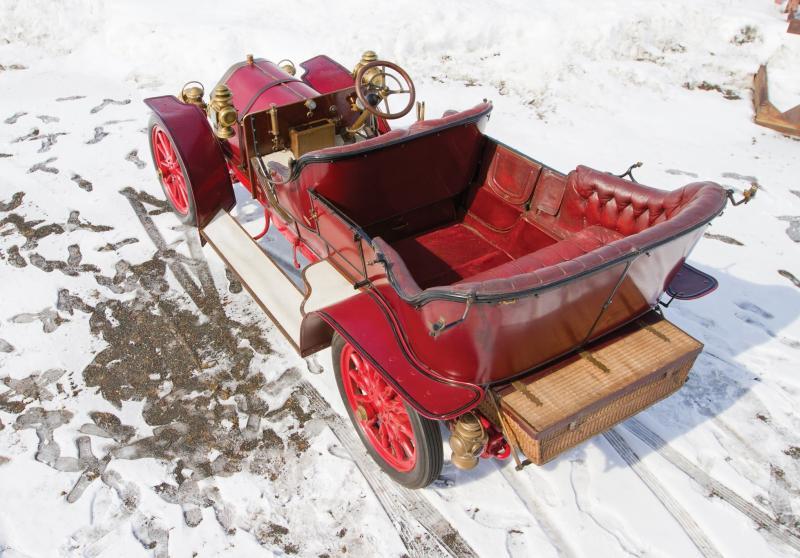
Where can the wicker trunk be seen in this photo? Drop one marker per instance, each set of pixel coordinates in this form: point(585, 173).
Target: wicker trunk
point(584, 394)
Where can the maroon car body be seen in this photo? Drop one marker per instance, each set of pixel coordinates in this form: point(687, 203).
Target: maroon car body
point(471, 263)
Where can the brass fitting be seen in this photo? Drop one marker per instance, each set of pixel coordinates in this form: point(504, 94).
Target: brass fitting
point(287, 66)
point(467, 441)
point(192, 93)
point(222, 111)
point(367, 57)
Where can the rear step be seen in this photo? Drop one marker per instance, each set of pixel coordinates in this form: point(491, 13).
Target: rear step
point(551, 411)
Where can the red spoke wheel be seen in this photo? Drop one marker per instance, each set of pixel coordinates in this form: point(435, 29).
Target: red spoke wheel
point(172, 173)
point(405, 444)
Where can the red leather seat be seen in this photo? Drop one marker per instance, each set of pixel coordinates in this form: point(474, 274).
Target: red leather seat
point(601, 218)
point(573, 246)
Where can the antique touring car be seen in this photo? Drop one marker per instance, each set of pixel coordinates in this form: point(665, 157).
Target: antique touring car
point(455, 278)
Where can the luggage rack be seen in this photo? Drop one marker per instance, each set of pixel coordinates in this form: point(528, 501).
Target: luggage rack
point(547, 413)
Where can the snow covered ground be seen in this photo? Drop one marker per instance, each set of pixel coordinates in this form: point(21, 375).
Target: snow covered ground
point(145, 406)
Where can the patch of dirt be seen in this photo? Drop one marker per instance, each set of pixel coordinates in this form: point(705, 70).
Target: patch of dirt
point(71, 267)
point(33, 231)
point(729, 94)
point(16, 201)
point(746, 35)
point(793, 452)
point(114, 246)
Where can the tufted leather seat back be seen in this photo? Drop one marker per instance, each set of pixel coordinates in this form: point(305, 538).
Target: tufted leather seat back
point(596, 198)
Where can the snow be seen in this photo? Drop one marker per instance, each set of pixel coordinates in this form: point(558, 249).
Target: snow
point(593, 82)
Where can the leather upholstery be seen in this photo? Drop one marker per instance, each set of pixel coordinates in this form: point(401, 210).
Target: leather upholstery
point(601, 218)
point(597, 198)
point(573, 246)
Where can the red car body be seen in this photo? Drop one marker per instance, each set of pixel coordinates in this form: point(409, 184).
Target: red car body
point(471, 263)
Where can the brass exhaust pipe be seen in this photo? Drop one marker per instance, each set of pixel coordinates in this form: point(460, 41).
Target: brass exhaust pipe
point(468, 441)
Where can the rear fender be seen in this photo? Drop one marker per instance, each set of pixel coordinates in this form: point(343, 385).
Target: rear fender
point(200, 153)
point(365, 323)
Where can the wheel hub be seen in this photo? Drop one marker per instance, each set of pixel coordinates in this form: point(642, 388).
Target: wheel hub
point(379, 411)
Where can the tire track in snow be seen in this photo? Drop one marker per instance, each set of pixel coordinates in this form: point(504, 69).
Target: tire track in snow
point(714, 487)
point(422, 529)
point(404, 507)
point(534, 507)
point(677, 511)
point(580, 483)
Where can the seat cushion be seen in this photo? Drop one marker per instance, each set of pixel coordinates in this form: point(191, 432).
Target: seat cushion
point(446, 255)
point(576, 244)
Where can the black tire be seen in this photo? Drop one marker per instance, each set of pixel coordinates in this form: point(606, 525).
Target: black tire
point(427, 436)
point(189, 218)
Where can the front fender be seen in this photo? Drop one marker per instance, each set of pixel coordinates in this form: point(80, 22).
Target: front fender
point(365, 323)
point(200, 152)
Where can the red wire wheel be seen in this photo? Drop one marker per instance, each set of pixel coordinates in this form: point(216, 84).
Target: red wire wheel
point(405, 444)
point(171, 173)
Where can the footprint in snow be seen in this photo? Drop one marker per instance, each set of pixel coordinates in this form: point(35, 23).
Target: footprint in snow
point(72, 267)
point(82, 183)
point(793, 231)
point(49, 318)
point(70, 98)
point(14, 117)
point(790, 276)
point(47, 119)
point(723, 238)
point(755, 309)
point(15, 258)
point(33, 134)
point(15, 202)
point(99, 134)
point(133, 157)
point(43, 167)
point(107, 102)
point(49, 140)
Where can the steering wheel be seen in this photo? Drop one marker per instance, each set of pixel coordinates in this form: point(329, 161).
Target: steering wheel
point(381, 83)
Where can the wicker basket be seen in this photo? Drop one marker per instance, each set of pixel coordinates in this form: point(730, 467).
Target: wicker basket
point(584, 394)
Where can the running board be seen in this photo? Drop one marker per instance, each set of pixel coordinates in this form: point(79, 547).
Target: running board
point(268, 284)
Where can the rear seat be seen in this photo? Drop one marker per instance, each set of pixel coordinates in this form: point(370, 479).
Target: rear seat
point(573, 246)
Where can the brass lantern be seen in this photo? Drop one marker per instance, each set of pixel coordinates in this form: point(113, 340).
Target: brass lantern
point(222, 112)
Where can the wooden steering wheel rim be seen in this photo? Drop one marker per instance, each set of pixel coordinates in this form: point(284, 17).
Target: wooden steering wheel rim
point(360, 89)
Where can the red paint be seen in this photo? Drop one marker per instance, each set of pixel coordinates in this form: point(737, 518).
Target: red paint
point(439, 214)
point(170, 171)
point(379, 411)
point(363, 322)
point(496, 446)
point(199, 152)
point(325, 75)
point(250, 85)
point(265, 230)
